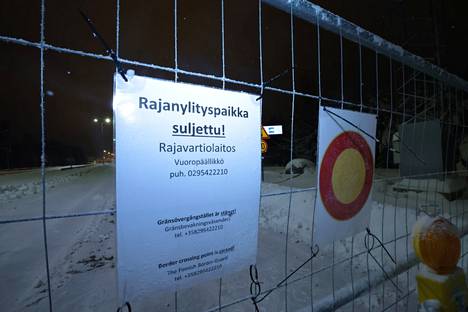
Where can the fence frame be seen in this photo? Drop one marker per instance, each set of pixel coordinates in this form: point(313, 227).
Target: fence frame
point(295, 8)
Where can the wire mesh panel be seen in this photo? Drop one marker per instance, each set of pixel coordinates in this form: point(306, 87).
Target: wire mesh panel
point(57, 219)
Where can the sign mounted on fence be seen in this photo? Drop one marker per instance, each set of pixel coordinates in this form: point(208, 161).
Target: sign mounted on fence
point(265, 137)
point(345, 175)
point(187, 183)
point(274, 130)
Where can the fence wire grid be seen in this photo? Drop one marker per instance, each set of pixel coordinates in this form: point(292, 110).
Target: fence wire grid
point(343, 67)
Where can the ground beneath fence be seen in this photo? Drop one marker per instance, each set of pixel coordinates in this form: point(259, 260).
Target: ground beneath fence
point(82, 250)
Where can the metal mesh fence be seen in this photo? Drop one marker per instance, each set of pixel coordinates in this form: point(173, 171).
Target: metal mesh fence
point(331, 62)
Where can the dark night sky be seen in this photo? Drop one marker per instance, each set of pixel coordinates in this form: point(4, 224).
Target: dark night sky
point(82, 87)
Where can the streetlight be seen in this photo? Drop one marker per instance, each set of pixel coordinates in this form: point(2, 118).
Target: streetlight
point(102, 122)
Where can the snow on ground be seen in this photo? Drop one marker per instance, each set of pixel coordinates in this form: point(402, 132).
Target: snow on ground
point(82, 250)
point(28, 182)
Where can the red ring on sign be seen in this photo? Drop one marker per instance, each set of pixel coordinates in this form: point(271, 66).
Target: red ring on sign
point(335, 208)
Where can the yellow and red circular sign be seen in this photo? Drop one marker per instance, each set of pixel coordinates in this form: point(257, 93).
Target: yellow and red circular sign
point(346, 174)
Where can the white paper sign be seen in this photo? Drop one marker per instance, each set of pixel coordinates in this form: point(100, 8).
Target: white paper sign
point(346, 152)
point(188, 183)
point(274, 130)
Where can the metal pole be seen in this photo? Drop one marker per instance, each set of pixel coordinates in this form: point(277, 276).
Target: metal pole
point(102, 139)
point(263, 171)
point(313, 13)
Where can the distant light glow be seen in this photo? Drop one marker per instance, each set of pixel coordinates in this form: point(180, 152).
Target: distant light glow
point(95, 120)
point(107, 120)
point(125, 109)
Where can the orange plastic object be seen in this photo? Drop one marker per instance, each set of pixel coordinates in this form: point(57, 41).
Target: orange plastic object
point(437, 244)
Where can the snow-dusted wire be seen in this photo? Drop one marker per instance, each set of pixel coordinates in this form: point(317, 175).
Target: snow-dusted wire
point(117, 29)
point(72, 215)
point(463, 112)
point(223, 61)
point(319, 85)
point(415, 113)
point(377, 81)
point(342, 107)
point(341, 69)
point(176, 79)
point(383, 202)
point(43, 156)
point(223, 65)
point(361, 104)
point(293, 102)
point(125, 61)
point(176, 56)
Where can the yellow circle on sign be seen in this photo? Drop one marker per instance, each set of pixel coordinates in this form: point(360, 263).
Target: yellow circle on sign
point(349, 173)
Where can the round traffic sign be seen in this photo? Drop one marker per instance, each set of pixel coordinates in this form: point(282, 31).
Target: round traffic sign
point(346, 173)
point(264, 146)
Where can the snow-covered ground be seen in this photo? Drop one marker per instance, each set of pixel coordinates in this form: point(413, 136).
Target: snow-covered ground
point(82, 249)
